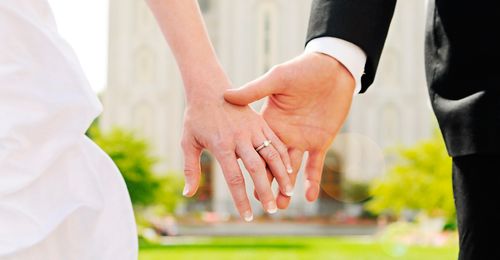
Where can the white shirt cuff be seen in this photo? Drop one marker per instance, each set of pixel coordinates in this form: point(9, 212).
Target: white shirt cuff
point(349, 54)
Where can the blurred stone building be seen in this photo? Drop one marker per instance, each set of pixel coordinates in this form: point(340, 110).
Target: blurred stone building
point(145, 91)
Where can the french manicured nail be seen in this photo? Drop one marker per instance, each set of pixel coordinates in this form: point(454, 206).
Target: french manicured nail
point(271, 207)
point(248, 216)
point(186, 190)
point(289, 169)
point(289, 190)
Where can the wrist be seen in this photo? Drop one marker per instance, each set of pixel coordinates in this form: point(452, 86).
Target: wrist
point(340, 71)
point(205, 84)
point(350, 55)
point(204, 99)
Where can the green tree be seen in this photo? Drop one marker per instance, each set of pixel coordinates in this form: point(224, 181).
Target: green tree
point(169, 193)
point(132, 156)
point(420, 180)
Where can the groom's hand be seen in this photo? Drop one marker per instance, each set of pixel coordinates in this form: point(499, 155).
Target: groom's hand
point(309, 99)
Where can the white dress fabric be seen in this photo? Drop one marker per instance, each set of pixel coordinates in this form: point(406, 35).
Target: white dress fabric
point(61, 197)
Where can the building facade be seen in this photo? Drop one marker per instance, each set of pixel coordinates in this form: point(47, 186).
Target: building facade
point(145, 90)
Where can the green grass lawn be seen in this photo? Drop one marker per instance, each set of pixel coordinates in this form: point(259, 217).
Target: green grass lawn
point(275, 248)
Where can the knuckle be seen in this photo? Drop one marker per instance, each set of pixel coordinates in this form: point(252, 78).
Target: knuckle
point(281, 177)
point(282, 149)
point(185, 143)
point(277, 70)
point(221, 144)
point(190, 172)
point(239, 134)
point(280, 72)
point(225, 156)
point(254, 166)
point(240, 201)
point(272, 155)
point(186, 148)
point(314, 181)
point(235, 180)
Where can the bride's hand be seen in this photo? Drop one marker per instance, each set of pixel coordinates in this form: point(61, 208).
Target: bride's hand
point(228, 131)
point(232, 132)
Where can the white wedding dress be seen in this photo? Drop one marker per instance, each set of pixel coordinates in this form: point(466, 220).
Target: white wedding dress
point(61, 197)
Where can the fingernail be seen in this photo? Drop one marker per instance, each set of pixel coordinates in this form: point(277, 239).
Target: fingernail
point(248, 216)
point(185, 191)
point(271, 207)
point(289, 190)
point(289, 169)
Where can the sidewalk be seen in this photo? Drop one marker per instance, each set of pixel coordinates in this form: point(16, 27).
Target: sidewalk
point(275, 229)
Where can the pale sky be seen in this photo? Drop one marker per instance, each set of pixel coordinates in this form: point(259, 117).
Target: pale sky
point(84, 24)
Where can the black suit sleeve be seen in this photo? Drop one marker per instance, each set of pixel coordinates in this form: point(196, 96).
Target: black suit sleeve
point(361, 22)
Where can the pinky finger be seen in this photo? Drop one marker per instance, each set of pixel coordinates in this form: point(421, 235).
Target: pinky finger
point(314, 168)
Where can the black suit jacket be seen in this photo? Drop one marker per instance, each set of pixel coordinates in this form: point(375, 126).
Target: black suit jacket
point(461, 54)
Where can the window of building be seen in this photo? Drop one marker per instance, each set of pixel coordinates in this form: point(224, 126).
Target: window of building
point(390, 69)
point(331, 177)
point(331, 186)
point(144, 66)
point(143, 121)
point(266, 37)
point(144, 19)
point(389, 127)
point(205, 5)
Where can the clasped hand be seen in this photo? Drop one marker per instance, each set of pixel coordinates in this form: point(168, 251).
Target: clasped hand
point(309, 99)
point(230, 132)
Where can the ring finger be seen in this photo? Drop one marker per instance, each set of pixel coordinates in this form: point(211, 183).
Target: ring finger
point(275, 163)
point(257, 170)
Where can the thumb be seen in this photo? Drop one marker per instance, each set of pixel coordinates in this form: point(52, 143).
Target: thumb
point(257, 89)
point(192, 169)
